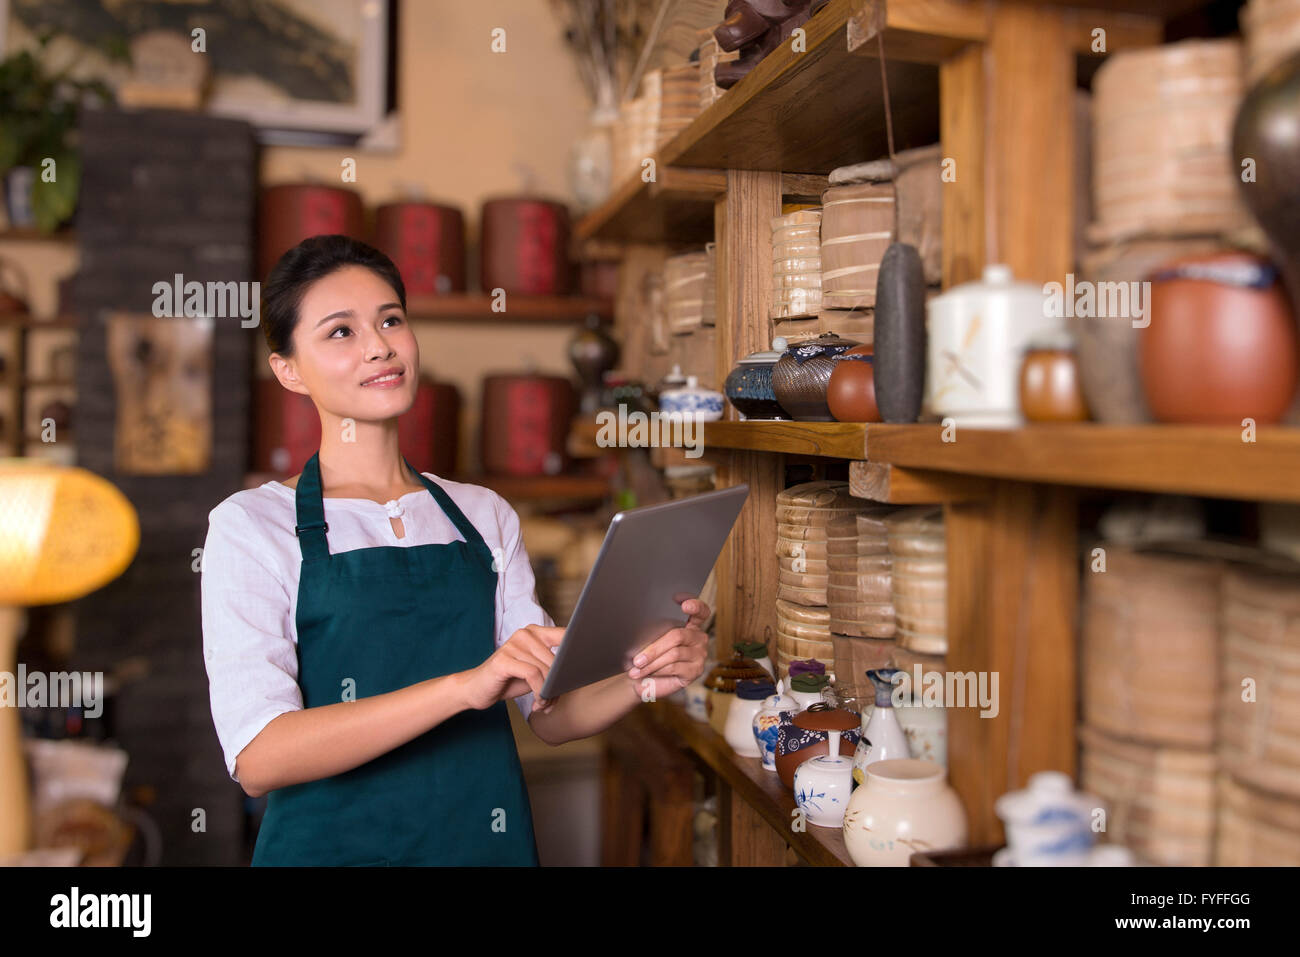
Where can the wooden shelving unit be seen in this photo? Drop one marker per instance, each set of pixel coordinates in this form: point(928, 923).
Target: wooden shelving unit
point(463, 307)
point(677, 207)
point(959, 72)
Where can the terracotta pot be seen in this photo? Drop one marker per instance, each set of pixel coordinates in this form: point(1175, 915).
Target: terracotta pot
point(1050, 390)
point(1221, 346)
point(851, 393)
point(292, 212)
point(809, 729)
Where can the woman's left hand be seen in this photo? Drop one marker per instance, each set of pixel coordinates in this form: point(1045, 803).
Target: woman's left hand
point(675, 660)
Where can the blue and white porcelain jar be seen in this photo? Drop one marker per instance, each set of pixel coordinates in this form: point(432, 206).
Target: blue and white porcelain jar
point(692, 401)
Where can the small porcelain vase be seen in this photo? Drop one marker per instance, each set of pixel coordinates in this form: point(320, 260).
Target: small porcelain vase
point(692, 401)
point(697, 700)
point(1048, 823)
point(748, 702)
point(768, 721)
point(905, 807)
point(822, 786)
point(883, 737)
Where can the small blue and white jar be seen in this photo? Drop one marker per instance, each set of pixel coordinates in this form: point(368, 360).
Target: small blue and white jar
point(692, 401)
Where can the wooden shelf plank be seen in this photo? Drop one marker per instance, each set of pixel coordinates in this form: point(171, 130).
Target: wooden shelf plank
point(761, 790)
point(677, 207)
point(812, 111)
point(896, 485)
point(841, 440)
point(478, 306)
point(1173, 459)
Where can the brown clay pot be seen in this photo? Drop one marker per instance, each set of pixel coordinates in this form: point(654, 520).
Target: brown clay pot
point(1050, 388)
point(1218, 351)
point(851, 393)
point(821, 721)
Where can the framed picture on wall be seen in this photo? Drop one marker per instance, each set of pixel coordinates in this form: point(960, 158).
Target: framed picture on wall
point(302, 72)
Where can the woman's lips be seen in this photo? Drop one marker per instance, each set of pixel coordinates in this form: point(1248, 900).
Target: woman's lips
point(386, 382)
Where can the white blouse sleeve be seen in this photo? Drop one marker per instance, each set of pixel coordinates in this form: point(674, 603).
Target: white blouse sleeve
point(248, 647)
point(518, 586)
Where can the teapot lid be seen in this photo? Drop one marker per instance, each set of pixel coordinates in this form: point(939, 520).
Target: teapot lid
point(820, 716)
point(754, 689)
point(767, 357)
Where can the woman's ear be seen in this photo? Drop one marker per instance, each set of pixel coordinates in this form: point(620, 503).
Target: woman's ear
point(287, 372)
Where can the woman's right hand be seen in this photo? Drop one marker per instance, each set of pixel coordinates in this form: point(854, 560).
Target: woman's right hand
point(519, 666)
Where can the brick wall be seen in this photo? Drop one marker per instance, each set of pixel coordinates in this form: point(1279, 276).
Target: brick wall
point(165, 193)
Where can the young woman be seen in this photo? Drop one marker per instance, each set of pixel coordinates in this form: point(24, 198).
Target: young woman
point(364, 623)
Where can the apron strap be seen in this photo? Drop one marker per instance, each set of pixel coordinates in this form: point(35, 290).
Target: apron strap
point(453, 512)
point(310, 525)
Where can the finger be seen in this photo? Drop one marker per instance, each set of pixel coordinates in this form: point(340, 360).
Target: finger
point(672, 639)
point(698, 611)
point(550, 637)
point(658, 665)
point(519, 667)
point(532, 648)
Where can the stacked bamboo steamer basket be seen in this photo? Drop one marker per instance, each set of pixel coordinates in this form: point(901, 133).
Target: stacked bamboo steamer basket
point(1162, 129)
point(679, 100)
point(796, 264)
point(1272, 32)
point(857, 227)
point(1149, 661)
point(803, 514)
point(1256, 828)
point(1259, 709)
point(1160, 800)
point(858, 592)
point(918, 550)
point(1149, 649)
point(710, 56)
point(690, 290)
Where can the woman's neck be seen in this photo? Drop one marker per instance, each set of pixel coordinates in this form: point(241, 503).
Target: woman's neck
point(362, 460)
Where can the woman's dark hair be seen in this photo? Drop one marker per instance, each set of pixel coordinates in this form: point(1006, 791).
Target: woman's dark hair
point(313, 259)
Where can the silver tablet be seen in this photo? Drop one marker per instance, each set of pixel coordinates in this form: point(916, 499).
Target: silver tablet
point(653, 559)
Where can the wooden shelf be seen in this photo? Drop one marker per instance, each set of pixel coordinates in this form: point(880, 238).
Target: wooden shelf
point(761, 790)
point(676, 208)
point(542, 487)
point(1212, 461)
point(36, 236)
point(478, 306)
point(812, 111)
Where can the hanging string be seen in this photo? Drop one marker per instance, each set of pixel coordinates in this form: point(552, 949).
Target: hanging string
point(889, 123)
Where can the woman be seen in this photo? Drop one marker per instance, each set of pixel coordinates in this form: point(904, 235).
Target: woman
point(364, 624)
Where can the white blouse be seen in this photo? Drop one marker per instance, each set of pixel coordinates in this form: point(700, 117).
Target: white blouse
point(250, 565)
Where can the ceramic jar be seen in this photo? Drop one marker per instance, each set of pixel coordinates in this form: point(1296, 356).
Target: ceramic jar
point(883, 737)
point(697, 700)
point(749, 385)
point(1050, 387)
point(851, 392)
point(802, 375)
point(905, 807)
point(768, 721)
point(822, 786)
point(745, 706)
point(757, 652)
point(1048, 823)
point(977, 332)
point(691, 401)
point(721, 686)
point(803, 735)
point(1221, 345)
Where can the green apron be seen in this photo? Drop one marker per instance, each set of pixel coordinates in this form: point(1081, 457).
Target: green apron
point(374, 620)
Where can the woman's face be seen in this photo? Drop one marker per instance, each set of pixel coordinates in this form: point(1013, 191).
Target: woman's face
point(352, 330)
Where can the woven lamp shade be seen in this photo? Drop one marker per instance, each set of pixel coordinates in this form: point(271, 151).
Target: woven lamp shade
point(63, 533)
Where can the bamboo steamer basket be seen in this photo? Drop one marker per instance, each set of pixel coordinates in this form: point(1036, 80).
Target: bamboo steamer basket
point(801, 533)
point(799, 594)
point(710, 56)
point(806, 566)
point(1162, 129)
point(855, 656)
point(802, 614)
point(1272, 32)
point(796, 264)
point(872, 586)
point(919, 579)
point(1259, 740)
point(809, 498)
point(689, 291)
point(797, 648)
point(1161, 800)
point(1256, 828)
point(882, 627)
point(1150, 647)
point(857, 227)
point(804, 632)
point(789, 548)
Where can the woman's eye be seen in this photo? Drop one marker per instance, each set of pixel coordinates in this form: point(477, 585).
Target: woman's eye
point(394, 318)
point(339, 329)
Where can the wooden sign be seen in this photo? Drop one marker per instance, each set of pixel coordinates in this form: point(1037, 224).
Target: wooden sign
point(162, 378)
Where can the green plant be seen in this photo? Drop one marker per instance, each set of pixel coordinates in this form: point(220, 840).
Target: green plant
point(38, 119)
